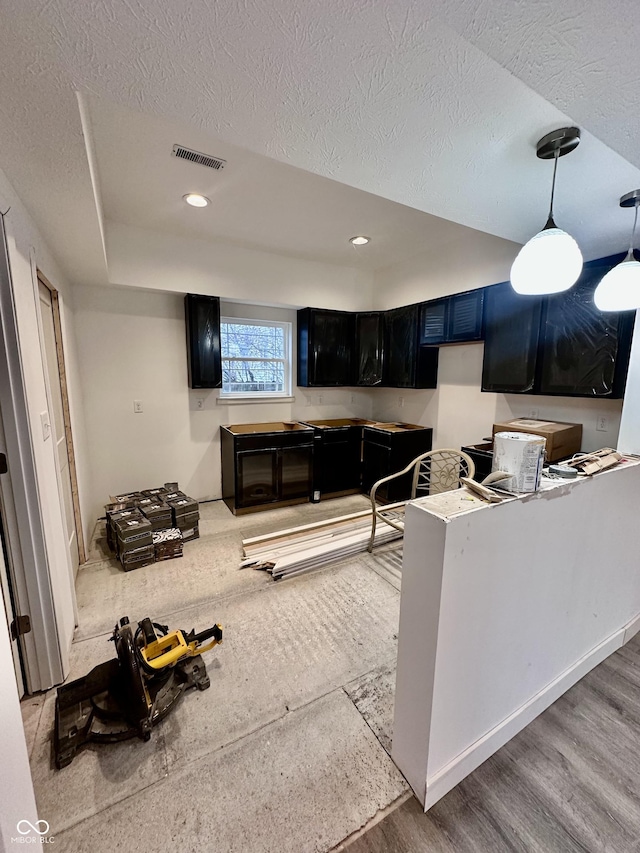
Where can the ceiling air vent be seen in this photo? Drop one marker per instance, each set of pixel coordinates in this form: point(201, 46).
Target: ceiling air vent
point(197, 157)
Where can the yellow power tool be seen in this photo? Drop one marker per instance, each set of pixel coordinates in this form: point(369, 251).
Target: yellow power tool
point(126, 696)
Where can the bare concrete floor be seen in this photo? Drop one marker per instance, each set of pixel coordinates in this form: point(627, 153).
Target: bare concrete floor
point(287, 749)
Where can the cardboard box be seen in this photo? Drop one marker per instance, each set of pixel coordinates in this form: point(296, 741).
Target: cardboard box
point(562, 439)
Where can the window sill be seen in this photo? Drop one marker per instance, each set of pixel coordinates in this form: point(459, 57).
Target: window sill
point(249, 401)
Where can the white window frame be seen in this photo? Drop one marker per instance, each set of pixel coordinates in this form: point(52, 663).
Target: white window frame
point(254, 396)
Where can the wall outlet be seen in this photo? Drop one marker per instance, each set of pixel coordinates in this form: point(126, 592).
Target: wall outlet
point(320, 399)
point(602, 424)
point(353, 398)
point(534, 413)
point(200, 403)
point(401, 402)
point(137, 406)
point(46, 425)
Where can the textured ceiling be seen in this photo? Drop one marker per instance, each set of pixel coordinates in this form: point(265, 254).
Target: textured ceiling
point(255, 201)
point(440, 115)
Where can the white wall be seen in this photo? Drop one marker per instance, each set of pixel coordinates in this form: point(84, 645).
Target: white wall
point(149, 259)
point(132, 345)
point(459, 412)
point(451, 268)
point(629, 439)
point(17, 800)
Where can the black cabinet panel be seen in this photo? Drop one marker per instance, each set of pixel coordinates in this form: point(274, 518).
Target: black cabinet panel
point(584, 351)
point(465, 317)
point(512, 331)
point(260, 468)
point(385, 453)
point(257, 477)
point(325, 343)
point(401, 346)
point(295, 472)
point(202, 315)
point(453, 319)
point(369, 348)
point(336, 460)
point(433, 322)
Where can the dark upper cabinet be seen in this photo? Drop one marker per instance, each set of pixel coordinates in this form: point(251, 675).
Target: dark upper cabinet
point(433, 322)
point(465, 321)
point(584, 352)
point(325, 343)
point(453, 319)
point(512, 332)
point(204, 360)
point(407, 365)
point(369, 352)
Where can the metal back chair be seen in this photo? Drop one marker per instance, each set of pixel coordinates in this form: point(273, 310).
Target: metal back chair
point(433, 472)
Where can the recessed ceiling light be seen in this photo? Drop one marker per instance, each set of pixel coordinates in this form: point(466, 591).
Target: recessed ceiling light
point(359, 241)
point(196, 200)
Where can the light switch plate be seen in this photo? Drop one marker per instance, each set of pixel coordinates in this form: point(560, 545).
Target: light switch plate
point(46, 425)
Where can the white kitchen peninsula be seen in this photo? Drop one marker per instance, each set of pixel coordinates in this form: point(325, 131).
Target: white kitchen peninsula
point(503, 608)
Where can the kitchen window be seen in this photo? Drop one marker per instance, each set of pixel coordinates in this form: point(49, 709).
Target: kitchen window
point(256, 358)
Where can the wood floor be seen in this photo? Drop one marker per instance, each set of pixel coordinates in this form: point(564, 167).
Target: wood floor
point(569, 782)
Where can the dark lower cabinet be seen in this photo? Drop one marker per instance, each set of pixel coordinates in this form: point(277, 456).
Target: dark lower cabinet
point(202, 314)
point(512, 334)
point(337, 456)
point(369, 357)
point(257, 476)
point(387, 449)
point(264, 469)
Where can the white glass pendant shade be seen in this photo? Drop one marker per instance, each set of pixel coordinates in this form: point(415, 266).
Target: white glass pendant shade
point(549, 263)
point(619, 290)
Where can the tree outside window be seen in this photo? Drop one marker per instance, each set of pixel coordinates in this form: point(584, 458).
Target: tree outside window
point(255, 357)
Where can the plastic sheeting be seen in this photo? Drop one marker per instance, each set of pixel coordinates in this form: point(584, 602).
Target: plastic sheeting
point(580, 343)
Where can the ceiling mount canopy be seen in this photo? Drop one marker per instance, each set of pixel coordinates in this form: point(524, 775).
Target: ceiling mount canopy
point(619, 290)
point(551, 261)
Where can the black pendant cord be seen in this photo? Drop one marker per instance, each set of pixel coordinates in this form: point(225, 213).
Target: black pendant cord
point(550, 222)
point(630, 255)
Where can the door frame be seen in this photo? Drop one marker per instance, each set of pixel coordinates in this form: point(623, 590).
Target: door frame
point(29, 567)
point(66, 412)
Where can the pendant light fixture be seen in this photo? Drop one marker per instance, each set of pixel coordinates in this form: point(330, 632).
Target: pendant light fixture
point(619, 290)
point(551, 261)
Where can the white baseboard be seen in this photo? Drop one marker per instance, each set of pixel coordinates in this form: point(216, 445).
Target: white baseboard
point(441, 782)
point(631, 629)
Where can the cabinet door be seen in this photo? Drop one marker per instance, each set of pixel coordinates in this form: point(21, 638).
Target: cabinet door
point(580, 344)
point(330, 342)
point(257, 477)
point(202, 315)
point(433, 321)
point(295, 472)
point(401, 346)
point(465, 317)
point(369, 349)
point(340, 460)
point(376, 464)
point(512, 331)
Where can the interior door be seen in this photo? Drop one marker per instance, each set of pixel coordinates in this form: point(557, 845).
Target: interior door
point(58, 425)
point(7, 595)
